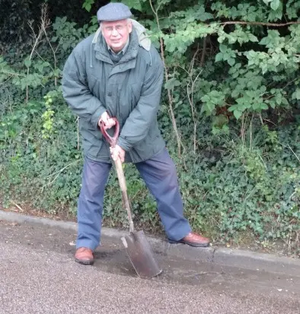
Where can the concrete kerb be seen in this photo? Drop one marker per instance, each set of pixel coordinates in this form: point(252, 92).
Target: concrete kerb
point(219, 256)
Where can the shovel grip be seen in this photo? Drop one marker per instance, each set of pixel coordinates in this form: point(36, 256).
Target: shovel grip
point(125, 199)
point(112, 140)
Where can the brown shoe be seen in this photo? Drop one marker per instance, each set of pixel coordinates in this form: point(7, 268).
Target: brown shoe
point(84, 256)
point(194, 239)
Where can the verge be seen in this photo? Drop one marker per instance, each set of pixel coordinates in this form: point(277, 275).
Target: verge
point(221, 256)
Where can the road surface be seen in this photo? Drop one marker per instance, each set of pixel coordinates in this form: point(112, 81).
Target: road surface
point(39, 275)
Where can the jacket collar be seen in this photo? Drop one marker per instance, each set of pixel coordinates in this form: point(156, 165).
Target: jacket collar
point(120, 52)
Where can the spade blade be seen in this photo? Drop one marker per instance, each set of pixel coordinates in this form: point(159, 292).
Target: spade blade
point(141, 255)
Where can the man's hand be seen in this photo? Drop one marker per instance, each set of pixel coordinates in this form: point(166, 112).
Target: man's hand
point(107, 120)
point(117, 152)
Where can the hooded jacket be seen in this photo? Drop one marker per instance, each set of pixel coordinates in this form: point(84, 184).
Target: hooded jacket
point(129, 90)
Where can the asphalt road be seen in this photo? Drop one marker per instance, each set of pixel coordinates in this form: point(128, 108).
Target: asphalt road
point(38, 275)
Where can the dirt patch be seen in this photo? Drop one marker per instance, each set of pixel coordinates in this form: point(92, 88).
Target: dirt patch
point(111, 258)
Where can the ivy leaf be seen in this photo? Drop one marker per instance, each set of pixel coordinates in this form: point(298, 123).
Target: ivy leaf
point(223, 48)
point(275, 4)
point(133, 4)
point(231, 61)
point(237, 114)
point(171, 83)
point(219, 57)
point(27, 63)
point(87, 4)
point(296, 94)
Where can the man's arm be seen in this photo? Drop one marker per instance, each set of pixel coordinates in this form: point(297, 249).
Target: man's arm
point(139, 121)
point(76, 91)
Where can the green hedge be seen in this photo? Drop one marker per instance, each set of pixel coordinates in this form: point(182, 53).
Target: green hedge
point(229, 114)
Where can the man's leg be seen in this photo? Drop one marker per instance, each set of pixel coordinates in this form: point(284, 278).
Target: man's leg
point(90, 203)
point(159, 174)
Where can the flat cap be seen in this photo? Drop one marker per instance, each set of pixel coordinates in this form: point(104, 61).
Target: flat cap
point(113, 11)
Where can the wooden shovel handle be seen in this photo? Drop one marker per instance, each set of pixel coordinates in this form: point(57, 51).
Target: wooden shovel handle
point(125, 199)
point(112, 140)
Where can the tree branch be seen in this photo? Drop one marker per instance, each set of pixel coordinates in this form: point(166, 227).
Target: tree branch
point(260, 23)
point(170, 96)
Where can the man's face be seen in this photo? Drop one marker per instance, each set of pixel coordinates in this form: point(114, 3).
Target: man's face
point(116, 33)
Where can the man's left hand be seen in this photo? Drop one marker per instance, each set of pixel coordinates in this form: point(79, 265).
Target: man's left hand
point(117, 152)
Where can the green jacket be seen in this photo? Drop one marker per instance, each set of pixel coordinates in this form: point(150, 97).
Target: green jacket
point(129, 90)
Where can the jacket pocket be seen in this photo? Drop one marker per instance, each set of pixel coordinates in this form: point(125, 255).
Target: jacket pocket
point(97, 88)
point(91, 142)
point(135, 94)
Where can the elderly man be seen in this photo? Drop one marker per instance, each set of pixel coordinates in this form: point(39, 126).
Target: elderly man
point(118, 73)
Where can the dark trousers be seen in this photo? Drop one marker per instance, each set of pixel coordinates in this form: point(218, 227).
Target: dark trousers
point(159, 174)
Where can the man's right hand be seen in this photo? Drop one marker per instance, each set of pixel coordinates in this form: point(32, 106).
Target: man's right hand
point(107, 120)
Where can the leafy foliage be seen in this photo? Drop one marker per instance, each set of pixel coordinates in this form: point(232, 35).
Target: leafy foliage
point(230, 115)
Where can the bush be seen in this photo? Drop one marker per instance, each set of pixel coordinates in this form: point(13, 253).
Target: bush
point(229, 114)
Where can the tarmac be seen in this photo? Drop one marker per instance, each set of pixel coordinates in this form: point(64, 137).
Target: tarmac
point(213, 255)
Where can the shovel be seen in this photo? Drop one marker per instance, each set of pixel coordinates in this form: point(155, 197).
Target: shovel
point(137, 247)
